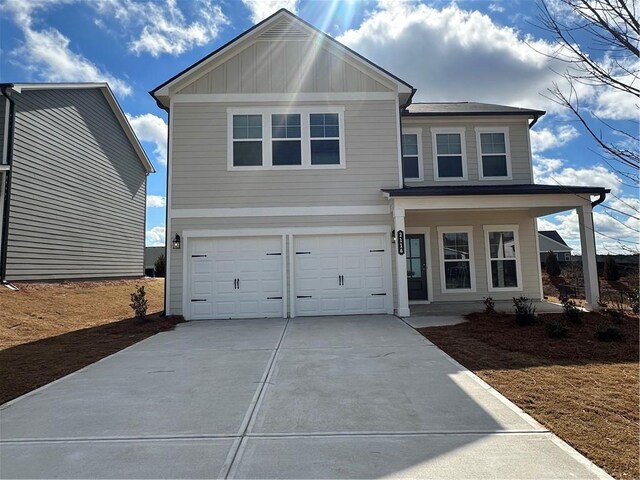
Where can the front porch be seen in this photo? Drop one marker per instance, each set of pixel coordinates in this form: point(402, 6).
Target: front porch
point(461, 244)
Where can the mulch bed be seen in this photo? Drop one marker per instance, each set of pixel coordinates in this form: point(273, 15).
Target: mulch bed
point(584, 390)
point(27, 366)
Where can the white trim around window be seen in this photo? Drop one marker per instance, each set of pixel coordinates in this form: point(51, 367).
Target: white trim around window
point(471, 260)
point(418, 133)
point(463, 152)
point(267, 139)
point(507, 153)
point(488, 229)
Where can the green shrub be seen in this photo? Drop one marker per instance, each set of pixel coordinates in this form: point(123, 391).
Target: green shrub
point(524, 310)
point(610, 333)
point(489, 305)
point(159, 268)
point(551, 265)
point(139, 303)
point(572, 312)
point(611, 272)
point(556, 329)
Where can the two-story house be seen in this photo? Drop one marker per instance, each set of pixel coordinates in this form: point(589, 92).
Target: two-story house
point(303, 181)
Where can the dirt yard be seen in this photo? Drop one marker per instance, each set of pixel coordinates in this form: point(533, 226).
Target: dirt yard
point(50, 330)
point(583, 389)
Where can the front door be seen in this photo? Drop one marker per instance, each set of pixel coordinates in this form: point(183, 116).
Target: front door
point(416, 267)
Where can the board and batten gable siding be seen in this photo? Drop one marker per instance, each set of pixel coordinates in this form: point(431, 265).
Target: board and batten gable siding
point(200, 178)
point(521, 168)
point(78, 190)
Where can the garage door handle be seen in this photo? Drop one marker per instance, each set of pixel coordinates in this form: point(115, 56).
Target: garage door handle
point(304, 296)
point(274, 298)
point(197, 256)
point(378, 294)
point(303, 253)
point(377, 250)
point(274, 254)
point(198, 299)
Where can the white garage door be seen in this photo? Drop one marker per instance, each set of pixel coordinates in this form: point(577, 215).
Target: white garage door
point(235, 277)
point(341, 274)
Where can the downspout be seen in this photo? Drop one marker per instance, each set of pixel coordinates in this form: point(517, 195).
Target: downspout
point(402, 107)
point(535, 119)
point(7, 189)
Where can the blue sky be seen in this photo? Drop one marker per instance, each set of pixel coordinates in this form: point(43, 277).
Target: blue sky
point(475, 50)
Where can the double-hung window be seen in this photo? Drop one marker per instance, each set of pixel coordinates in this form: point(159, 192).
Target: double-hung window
point(286, 138)
point(449, 155)
point(494, 156)
point(457, 270)
point(503, 258)
point(412, 166)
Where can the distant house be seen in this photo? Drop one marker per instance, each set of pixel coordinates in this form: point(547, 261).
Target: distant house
point(151, 255)
point(551, 241)
point(73, 180)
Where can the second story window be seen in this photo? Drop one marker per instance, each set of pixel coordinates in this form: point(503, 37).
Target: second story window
point(494, 157)
point(449, 156)
point(325, 138)
point(247, 140)
point(412, 154)
point(287, 139)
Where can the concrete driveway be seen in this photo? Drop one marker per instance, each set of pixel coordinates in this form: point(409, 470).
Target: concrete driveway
point(331, 397)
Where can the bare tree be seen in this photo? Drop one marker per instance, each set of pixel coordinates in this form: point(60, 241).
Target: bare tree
point(583, 29)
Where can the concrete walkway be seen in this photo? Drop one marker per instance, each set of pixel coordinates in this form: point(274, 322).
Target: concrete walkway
point(332, 397)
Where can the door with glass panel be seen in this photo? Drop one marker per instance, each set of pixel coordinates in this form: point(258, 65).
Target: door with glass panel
point(416, 267)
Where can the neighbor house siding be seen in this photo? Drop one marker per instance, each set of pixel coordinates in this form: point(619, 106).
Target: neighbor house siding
point(180, 224)
point(477, 220)
point(518, 141)
point(78, 190)
point(3, 109)
point(200, 178)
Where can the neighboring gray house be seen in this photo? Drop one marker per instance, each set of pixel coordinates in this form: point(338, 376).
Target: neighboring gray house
point(73, 180)
point(551, 241)
point(151, 255)
point(303, 181)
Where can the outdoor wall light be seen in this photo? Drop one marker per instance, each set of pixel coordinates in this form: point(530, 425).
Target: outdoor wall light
point(176, 242)
point(393, 236)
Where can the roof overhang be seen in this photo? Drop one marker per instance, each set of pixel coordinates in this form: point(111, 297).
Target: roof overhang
point(163, 92)
point(111, 100)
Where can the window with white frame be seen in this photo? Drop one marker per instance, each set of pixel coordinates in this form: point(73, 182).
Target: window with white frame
point(494, 156)
point(503, 257)
point(412, 166)
point(457, 270)
point(286, 138)
point(449, 156)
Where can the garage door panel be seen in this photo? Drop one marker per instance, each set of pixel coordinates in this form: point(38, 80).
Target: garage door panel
point(202, 309)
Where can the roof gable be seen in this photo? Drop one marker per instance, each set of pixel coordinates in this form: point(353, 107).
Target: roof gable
point(553, 235)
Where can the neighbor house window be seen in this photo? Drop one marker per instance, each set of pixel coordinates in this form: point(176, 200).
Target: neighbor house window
point(503, 257)
point(457, 269)
point(412, 154)
point(286, 132)
point(325, 138)
point(494, 157)
point(247, 140)
point(449, 156)
point(281, 138)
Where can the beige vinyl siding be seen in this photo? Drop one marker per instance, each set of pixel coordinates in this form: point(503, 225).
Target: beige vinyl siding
point(200, 178)
point(180, 224)
point(518, 141)
point(78, 190)
point(529, 257)
point(284, 66)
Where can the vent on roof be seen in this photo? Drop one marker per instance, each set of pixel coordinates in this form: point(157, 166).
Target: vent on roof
point(284, 30)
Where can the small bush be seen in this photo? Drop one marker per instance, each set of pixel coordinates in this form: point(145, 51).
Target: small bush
point(551, 265)
point(634, 299)
point(610, 333)
point(139, 303)
point(159, 268)
point(489, 305)
point(556, 329)
point(615, 313)
point(611, 272)
point(524, 310)
point(572, 312)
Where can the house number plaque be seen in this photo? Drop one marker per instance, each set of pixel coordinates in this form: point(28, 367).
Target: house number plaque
point(400, 242)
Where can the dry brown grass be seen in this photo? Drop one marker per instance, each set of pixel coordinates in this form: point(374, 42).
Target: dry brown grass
point(50, 330)
point(584, 390)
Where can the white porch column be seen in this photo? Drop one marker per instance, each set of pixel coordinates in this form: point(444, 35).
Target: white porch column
point(589, 265)
point(401, 266)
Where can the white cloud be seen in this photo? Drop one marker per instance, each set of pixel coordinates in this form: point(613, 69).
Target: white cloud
point(156, 201)
point(155, 237)
point(261, 9)
point(547, 138)
point(163, 26)
point(151, 128)
point(494, 7)
point(552, 171)
point(47, 55)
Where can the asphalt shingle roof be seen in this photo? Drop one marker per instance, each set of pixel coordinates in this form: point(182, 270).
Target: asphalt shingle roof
point(466, 108)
